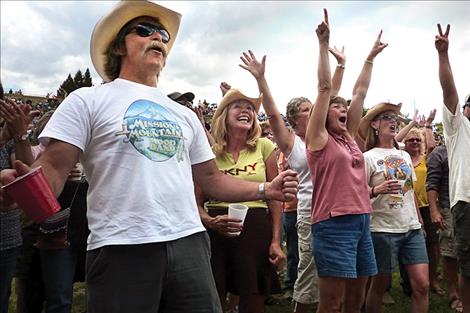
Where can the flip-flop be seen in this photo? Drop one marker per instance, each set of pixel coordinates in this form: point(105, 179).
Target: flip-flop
point(456, 305)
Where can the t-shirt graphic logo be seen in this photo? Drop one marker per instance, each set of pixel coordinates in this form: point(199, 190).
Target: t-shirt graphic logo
point(397, 168)
point(153, 131)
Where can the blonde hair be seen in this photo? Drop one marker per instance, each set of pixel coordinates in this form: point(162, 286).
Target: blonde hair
point(219, 132)
point(416, 132)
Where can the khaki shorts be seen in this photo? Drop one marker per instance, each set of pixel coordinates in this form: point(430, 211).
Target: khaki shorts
point(461, 216)
point(306, 286)
point(446, 236)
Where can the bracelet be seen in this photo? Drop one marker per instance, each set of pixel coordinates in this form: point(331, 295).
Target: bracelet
point(341, 66)
point(369, 61)
point(372, 192)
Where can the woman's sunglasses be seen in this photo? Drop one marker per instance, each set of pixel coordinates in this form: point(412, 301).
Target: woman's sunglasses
point(147, 30)
point(417, 140)
point(389, 118)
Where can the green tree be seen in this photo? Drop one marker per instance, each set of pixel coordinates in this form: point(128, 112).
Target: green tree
point(78, 79)
point(66, 87)
point(87, 81)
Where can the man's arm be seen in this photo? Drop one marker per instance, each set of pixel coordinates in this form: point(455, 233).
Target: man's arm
point(230, 189)
point(446, 78)
point(57, 161)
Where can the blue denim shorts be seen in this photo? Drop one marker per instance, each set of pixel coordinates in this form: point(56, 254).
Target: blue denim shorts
point(407, 248)
point(342, 247)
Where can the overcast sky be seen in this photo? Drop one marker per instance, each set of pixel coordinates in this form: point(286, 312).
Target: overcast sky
point(43, 41)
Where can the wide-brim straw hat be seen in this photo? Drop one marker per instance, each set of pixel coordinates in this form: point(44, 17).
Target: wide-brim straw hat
point(108, 27)
point(372, 114)
point(233, 95)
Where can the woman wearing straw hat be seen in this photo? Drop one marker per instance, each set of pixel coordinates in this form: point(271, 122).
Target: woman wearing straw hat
point(342, 246)
point(395, 220)
point(244, 265)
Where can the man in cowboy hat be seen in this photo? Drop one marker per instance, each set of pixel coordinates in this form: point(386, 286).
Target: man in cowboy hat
point(457, 137)
point(147, 250)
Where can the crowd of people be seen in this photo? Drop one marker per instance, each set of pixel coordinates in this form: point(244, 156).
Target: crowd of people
point(145, 181)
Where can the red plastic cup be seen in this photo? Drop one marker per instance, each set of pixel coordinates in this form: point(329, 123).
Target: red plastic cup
point(33, 195)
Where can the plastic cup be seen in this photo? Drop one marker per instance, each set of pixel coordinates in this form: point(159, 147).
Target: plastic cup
point(402, 184)
point(33, 195)
point(237, 211)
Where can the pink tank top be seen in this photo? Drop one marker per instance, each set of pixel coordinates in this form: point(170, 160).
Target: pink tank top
point(339, 179)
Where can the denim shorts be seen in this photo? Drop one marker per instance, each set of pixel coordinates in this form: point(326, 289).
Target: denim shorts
point(342, 247)
point(407, 248)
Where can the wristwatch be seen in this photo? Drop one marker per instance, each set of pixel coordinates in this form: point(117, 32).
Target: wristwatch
point(262, 191)
point(20, 138)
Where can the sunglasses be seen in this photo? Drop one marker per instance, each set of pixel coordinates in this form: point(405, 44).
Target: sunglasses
point(147, 30)
point(417, 140)
point(389, 118)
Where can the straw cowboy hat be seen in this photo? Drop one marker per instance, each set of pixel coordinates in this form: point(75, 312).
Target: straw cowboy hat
point(372, 114)
point(108, 27)
point(234, 95)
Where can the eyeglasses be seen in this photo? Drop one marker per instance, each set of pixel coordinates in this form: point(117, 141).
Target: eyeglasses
point(417, 140)
point(147, 30)
point(389, 118)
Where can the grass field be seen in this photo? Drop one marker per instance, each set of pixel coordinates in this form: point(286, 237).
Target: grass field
point(437, 304)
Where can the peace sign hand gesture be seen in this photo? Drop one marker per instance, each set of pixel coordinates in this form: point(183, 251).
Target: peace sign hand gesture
point(442, 40)
point(252, 65)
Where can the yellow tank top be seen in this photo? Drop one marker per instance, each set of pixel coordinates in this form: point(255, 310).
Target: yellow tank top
point(249, 166)
point(420, 184)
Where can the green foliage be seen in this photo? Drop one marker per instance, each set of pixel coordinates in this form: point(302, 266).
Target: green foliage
point(78, 81)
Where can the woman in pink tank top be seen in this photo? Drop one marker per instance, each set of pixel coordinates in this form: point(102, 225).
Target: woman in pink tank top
point(342, 246)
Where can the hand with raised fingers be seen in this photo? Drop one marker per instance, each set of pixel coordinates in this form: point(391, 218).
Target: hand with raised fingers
point(378, 47)
point(323, 29)
point(431, 117)
point(224, 87)
point(421, 121)
point(442, 39)
point(252, 65)
point(338, 54)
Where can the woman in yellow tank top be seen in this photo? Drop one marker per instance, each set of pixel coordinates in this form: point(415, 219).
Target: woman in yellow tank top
point(244, 264)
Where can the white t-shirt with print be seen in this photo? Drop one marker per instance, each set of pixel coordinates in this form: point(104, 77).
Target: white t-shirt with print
point(457, 136)
point(297, 160)
point(392, 213)
point(137, 150)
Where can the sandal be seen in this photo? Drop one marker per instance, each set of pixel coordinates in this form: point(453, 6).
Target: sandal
point(456, 305)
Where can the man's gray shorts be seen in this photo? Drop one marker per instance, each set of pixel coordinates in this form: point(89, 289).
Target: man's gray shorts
point(166, 277)
point(461, 219)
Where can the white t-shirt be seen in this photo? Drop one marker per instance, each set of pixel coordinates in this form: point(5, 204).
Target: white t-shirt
point(392, 213)
point(457, 136)
point(297, 160)
point(137, 150)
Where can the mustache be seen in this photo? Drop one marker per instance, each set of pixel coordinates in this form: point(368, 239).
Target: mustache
point(157, 45)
